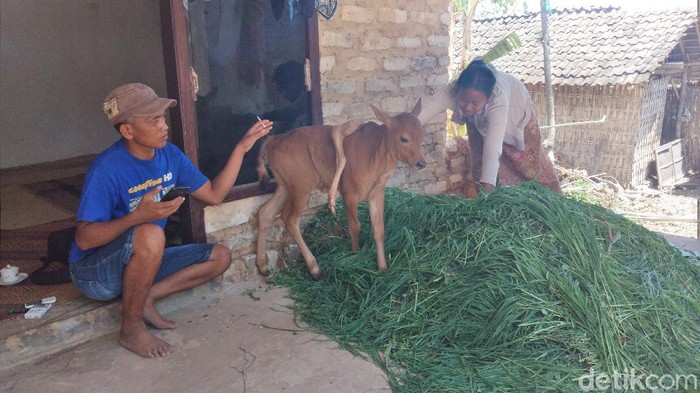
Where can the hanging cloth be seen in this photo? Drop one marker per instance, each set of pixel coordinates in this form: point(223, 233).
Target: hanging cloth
point(199, 44)
point(291, 9)
point(277, 8)
point(223, 27)
point(307, 7)
point(249, 69)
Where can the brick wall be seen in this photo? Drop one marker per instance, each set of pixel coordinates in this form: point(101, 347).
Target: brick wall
point(458, 165)
point(387, 54)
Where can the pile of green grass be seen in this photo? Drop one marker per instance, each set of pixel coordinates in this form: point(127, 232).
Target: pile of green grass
point(520, 290)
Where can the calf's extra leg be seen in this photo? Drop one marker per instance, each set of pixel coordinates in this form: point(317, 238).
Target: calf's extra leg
point(338, 134)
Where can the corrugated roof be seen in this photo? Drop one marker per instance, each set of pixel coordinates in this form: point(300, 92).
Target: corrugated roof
point(589, 46)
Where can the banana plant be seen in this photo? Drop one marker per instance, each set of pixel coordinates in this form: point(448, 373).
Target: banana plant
point(505, 46)
point(467, 10)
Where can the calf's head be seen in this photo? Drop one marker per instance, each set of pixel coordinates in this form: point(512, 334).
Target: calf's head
point(406, 135)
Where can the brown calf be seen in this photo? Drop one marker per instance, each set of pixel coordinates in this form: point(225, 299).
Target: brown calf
point(307, 159)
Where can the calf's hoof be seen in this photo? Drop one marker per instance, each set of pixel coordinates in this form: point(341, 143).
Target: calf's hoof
point(264, 271)
point(331, 205)
point(315, 274)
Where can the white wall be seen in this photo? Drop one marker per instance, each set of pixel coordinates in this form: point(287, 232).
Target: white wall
point(58, 60)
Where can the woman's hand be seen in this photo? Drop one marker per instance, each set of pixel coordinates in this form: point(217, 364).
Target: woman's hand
point(487, 187)
point(472, 191)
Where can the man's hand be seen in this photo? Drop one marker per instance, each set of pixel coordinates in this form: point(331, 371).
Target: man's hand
point(257, 131)
point(149, 210)
point(214, 192)
point(95, 234)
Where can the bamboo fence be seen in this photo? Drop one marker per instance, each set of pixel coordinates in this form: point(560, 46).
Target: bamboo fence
point(621, 147)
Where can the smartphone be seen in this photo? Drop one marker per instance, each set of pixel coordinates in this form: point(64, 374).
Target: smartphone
point(175, 192)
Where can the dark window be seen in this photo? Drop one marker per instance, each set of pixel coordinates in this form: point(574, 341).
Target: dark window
point(236, 84)
point(249, 58)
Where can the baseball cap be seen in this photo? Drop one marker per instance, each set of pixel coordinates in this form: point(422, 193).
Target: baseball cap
point(134, 99)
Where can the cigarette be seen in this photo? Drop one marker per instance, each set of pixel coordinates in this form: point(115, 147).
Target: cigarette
point(258, 117)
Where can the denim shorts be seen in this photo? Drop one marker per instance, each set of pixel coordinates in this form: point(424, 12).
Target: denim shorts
point(99, 275)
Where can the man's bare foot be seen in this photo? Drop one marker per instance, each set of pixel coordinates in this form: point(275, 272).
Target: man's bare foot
point(153, 317)
point(144, 343)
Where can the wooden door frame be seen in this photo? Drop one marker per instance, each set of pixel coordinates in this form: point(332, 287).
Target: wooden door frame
point(183, 117)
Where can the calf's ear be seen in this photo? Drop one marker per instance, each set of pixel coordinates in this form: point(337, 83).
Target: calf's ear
point(381, 115)
point(416, 109)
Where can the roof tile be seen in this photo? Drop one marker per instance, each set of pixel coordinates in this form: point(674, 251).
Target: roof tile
point(595, 46)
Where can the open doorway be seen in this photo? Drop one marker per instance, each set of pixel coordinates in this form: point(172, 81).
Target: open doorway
point(57, 63)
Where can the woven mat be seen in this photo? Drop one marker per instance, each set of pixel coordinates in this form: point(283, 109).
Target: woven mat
point(61, 193)
point(23, 248)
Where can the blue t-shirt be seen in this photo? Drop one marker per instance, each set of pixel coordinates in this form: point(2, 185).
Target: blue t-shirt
point(116, 182)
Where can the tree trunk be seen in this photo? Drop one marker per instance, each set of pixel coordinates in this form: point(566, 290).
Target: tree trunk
point(467, 12)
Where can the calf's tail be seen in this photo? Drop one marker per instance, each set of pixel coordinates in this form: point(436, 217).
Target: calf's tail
point(263, 176)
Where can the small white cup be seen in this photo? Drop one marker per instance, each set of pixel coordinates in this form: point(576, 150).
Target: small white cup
point(9, 273)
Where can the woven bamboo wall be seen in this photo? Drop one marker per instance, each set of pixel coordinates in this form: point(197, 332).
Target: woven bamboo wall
point(690, 130)
point(650, 126)
point(607, 147)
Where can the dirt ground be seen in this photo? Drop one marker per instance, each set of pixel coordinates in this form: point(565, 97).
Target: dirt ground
point(666, 211)
point(243, 340)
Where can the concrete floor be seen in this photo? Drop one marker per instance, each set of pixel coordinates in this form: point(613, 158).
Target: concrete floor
point(228, 343)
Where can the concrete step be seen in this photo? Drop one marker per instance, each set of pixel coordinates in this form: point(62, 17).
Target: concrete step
point(76, 321)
